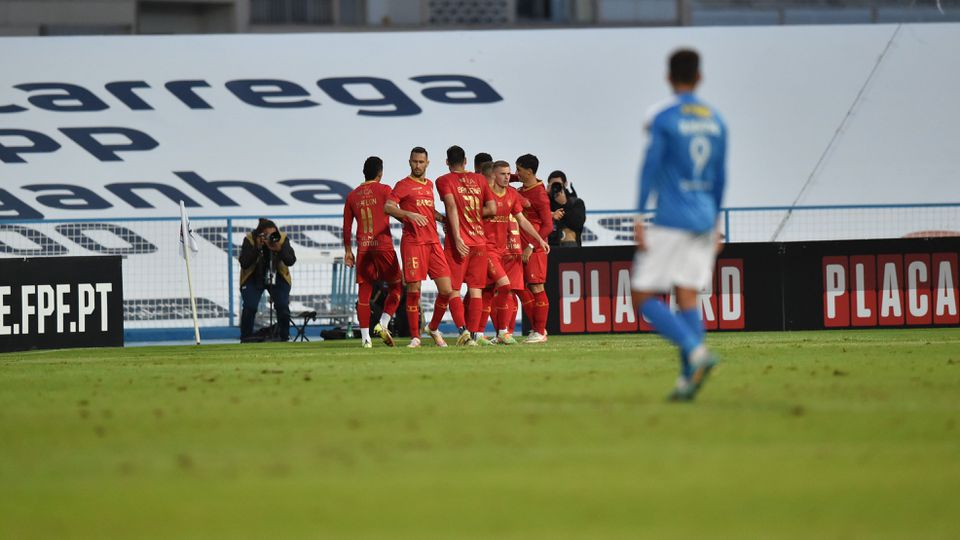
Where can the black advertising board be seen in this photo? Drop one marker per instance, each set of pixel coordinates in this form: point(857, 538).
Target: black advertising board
point(773, 286)
point(871, 283)
point(60, 302)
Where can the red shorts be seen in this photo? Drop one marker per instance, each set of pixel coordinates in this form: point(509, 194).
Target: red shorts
point(471, 269)
point(495, 270)
point(421, 260)
point(513, 266)
point(535, 271)
point(373, 266)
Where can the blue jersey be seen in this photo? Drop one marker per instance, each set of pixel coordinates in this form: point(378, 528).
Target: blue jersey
point(685, 164)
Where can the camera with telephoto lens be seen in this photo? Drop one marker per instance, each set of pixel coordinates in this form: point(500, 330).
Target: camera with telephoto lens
point(556, 188)
point(273, 237)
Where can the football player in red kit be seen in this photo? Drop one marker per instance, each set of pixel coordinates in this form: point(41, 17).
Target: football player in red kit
point(534, 257)
point(501, 230)
point(411, 202)
point(467, 198)
point(376, 260)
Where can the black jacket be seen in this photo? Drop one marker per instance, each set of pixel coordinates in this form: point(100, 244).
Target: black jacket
point(575, 215)
point(253, 261)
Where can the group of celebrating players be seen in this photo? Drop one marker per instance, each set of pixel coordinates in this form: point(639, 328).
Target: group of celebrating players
point(494, 242)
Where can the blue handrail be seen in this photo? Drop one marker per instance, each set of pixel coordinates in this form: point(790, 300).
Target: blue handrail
point(174, 218)
point(619, 212)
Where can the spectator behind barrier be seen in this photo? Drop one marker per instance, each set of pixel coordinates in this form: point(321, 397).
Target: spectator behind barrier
point(569, 212)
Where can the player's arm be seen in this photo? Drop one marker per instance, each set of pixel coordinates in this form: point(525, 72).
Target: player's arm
point(652, 161)
point(393, 209)
point(490, 209)
point(528, 228)
point(440, 218)
point(347, 234)
point(489, 202)
point(546, 217)
point(453, 221)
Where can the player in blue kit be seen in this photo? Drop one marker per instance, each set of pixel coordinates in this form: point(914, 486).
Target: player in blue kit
point(684, 172)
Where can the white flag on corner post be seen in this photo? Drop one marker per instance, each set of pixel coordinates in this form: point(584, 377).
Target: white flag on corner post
point(187, 238)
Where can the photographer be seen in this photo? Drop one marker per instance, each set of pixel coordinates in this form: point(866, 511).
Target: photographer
point(265, 258)
point(569, 212)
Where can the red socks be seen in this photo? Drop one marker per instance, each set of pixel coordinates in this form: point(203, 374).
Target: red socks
point(511, 315)
point(541, 308)
point(474, 311)
point(363, 304)
point(439, 309)
point(487, 296)
point(393, 299)
point(527, 301)
point(413, 313)
point(456, 310)
point(501, 303)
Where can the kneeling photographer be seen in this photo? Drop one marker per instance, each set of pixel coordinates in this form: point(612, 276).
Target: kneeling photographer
point(265, 258)
point(569, 212)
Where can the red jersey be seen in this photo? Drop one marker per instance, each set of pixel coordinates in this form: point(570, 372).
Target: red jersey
point(538, 213)
point(497, 227)
point(416, 196)
point(365, 204)
point(514, 245)
point(471, 192)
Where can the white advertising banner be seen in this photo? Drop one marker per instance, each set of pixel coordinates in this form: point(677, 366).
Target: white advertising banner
point(119, 128)
point(296, 115)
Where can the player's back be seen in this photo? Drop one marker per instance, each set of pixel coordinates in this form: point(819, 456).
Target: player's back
point(366, 203)
point(688, 157)
point(470, 192)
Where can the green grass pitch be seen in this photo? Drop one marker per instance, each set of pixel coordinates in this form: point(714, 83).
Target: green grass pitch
point(818, 435)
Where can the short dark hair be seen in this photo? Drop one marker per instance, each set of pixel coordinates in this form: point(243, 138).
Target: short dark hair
point(372, 167)
point(558, 174)
point(456, 155)
point(684, 66)
point(419, 150)
point(264, 224)
point(480, 159)
point(528, 161)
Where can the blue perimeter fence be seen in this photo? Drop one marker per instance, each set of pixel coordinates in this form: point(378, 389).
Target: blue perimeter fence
point(157, 306)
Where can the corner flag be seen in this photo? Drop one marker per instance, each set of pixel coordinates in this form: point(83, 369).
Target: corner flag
point(187, 238)
point(187, 232)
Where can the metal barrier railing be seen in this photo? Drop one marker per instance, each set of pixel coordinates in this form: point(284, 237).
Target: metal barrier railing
point(155, 288)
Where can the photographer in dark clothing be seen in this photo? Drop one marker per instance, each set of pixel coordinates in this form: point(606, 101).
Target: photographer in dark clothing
point(265, 258)
point(569, 212)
